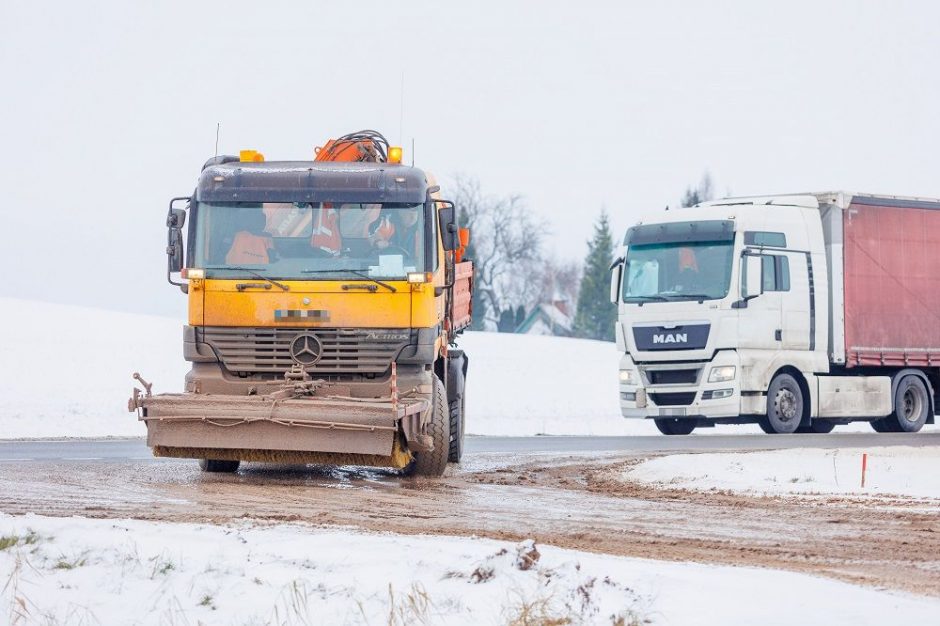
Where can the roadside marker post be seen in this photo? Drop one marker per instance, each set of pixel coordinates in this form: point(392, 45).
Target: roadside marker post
point(864, 467)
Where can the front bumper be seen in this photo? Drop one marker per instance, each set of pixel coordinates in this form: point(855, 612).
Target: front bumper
point(686, 392)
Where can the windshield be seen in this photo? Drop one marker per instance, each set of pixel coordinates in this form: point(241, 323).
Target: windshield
point(310, 241)
point(678, 271)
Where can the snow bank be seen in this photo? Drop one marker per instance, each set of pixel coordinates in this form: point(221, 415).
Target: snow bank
point(904, 471)
point(120, 571)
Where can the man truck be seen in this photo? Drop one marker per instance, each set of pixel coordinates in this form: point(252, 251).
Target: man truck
point(797, 312)
point(325, 298)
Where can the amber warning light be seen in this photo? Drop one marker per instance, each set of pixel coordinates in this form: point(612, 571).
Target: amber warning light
point(394, 154)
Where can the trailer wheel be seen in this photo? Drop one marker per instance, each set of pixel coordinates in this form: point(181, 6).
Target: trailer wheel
point(434, 462)
point(216, 466)
point(911, 406)
point(784, 406)
point(675, 426)
point(458, 411)
point(820, 427)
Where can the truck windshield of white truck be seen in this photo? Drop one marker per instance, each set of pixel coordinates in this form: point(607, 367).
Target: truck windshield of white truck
point(310, 241)
point(665, 262)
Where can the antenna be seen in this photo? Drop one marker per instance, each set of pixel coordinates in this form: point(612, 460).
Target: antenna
point(401, 109)
point(412, 152)
point(218, 129)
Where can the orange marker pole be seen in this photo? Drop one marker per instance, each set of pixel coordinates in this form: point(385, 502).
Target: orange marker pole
point(864, 467)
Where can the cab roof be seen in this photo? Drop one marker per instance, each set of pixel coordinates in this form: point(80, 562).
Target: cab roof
point(310, 181)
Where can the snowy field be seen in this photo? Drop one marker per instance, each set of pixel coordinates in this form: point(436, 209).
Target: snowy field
point(81, 571)
point(66, 372)
point(901, 471)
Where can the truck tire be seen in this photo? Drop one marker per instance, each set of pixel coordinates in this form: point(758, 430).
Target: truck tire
point(911, 406)
point(458, 409)
point(218, 467)
point(883, 425)
point(675, 426)
point(434, 462)
point(784, 406)
point(819, 427)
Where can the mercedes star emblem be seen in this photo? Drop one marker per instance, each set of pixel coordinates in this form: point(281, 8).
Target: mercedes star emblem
point(306, 349)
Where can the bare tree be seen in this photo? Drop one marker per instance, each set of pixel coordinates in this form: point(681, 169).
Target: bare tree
point(506, 247)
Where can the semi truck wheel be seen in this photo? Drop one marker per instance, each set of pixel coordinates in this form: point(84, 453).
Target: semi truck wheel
point(675, 426)
point(911, 406)
point(883, 425)
point(434, 462)
point(784, 406)
point(820, 427)
point(218, 467)
point(458, 411)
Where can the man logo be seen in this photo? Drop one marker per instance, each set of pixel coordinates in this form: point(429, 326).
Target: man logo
point(671, 338)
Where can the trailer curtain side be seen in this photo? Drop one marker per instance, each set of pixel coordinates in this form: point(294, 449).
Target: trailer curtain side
point(891, 282)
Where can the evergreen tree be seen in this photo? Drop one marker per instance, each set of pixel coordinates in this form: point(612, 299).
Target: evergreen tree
point(596, 314)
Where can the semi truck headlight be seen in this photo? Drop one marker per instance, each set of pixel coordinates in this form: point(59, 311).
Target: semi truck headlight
point(717, 394)
point(721, 373)
point(627, 377)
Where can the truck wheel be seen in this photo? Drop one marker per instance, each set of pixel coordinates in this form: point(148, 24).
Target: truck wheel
point(784, 406)
point(911, 406)
point(218, 467)
point(433, 462)
point(675, 426)
point(458, 411)
point(820, 427)
point(883, 425)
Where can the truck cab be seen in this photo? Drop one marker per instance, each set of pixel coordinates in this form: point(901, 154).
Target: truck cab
point(732, 312)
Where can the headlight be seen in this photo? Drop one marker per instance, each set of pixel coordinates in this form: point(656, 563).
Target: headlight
point(721, 373)
point(626, 377)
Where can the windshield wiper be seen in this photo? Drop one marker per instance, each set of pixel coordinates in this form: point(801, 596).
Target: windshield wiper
point(642, 299)
point(250, 271)
point(356, 272)
point(701, 297)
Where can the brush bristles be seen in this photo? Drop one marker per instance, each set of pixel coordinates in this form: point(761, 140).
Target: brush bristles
point(399, 458)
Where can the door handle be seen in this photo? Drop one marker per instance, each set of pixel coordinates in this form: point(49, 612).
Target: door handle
point(778, 335)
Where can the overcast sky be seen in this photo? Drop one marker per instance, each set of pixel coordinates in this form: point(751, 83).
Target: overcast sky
point(108, 109)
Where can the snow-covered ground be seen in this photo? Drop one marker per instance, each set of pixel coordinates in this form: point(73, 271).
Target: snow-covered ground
point(903, 471)
point(81, 571)
point(65, 371)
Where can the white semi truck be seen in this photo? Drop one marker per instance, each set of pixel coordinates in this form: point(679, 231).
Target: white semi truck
point(796, 312)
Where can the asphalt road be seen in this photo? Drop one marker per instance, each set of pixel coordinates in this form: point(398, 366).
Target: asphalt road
point(123, 450)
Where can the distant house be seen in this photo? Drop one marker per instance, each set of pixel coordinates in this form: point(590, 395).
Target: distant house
point(548, 318)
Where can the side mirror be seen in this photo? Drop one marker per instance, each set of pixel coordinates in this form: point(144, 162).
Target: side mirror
point(175, 219)
point(752, 282)
point(616, 273)
point(448, 223)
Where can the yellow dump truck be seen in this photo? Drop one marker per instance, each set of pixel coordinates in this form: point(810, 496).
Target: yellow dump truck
point(325, 299)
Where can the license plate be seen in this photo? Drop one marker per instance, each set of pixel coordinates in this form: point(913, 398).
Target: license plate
point(672, 412)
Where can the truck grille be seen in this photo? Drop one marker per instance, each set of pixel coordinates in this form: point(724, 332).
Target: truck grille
point(672, 377)
point(684, 398)
point(345, 351)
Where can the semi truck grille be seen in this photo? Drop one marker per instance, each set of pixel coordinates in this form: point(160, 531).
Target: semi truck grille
point(345, 351)
point(684, 398)
point(672, 377)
